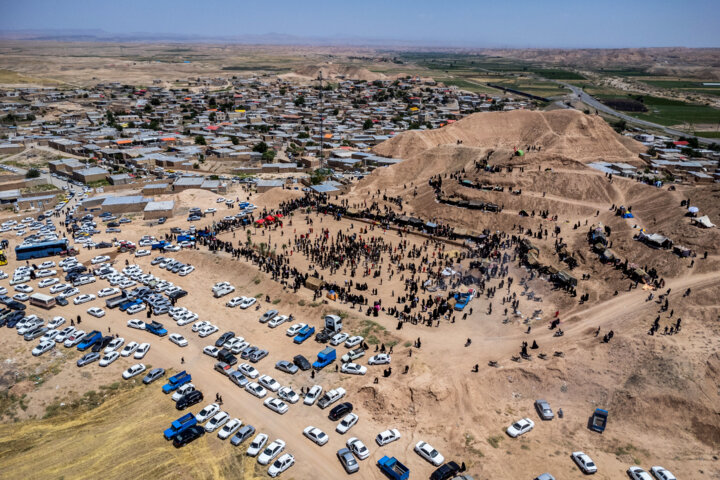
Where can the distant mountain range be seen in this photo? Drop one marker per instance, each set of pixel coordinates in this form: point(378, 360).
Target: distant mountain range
point(97, 35)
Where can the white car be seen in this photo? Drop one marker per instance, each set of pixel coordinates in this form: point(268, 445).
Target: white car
point(96, 312)
point(198, 325)
point(56, 322)
point(662, 473)
point(268, 382)
point(217, 421)
point(358, 448)
point(59, 287)
point(22, 288)
point(248, 302)
point(338, 338)
point(426, 451)
point(84, 298)
point(141, 351)
point(255, 389)
point(114, 344)
point(129, 349)
point(42, 347)
point(379, 359)
point(70, 292)
point(278, 320)
point(182, 390)
point(354, 341)
point(248, 370)
point(229, 428)
point(388, 436)
point(234, 302)
point(257, 444)
point(224, 290)
point(520, 427)
point(45, 273)
point(178, 340)
point(142, 253)
point(584, 462)
point(353, 369)
point(281, 464)
point(109, 358)
point(135, 323)
point(211, 350)
point(207, 412)
point(100, 259)
point(186, 270)
point(347, 422)
point(3, 291)
point(47, 282)
point(21, 297)
point(74, 338)
point(316, 435)
point(313, 394)
point(106, 292)
point(135, 309)
point(637, 473)
point(276, 405)
point(64, 334)
point(189, 317)
point(288, 394)
point(136, 369)
point(293, 330)
point(207, 331)
point(46, 265)
point(271, 451)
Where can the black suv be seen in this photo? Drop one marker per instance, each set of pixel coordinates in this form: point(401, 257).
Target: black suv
point(445, 472)
point(189, 399)
point(340, 411)
point(302, 362)
point(187, 436)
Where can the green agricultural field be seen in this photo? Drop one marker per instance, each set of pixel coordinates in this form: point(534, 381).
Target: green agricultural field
point(671, 112)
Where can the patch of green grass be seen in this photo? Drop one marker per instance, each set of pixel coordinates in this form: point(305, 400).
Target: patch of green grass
point(315, 304)
point(89, 401)
point(495, 440)
point(407, 344)
point(708, 134)
point(258, 295)
point(276, 301)
point(301, 302)
point(557, 74)
point(470, 447)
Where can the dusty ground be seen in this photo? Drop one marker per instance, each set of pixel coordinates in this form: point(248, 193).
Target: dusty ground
point(662, 391)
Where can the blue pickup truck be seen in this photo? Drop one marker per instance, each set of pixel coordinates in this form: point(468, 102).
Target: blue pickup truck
point(306, 332)
point(176, 381)
point(89, 340)
point(392, 467)
point(325, 357)
point(125, 305)
point(156, 328)
point(181, 424)
point(159, 245)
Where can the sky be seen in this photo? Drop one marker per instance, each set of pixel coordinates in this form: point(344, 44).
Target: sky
point(468, 23)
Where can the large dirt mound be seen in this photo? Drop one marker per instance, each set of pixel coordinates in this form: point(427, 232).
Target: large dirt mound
point(332, 70)
point(564, 133)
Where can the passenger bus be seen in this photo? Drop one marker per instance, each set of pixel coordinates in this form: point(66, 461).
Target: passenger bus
point(29, 251)
point(41, 300)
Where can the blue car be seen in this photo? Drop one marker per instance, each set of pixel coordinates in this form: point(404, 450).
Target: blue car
point(179, 425)
point(89, 340)
point(176, 381)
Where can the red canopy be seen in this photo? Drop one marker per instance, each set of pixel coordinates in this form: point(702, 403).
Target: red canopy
point(270, 218)
point(260, 221)
point(279, 215)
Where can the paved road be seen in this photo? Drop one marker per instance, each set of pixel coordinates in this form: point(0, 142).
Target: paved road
point(587, 99)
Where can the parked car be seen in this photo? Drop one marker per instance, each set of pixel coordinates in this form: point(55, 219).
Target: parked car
point(340, 411)
point(585, 463)
point(637, 473)
point(281, 464)
point(312, 394)
point(379, 359)
point(445, 472)
point(271, 451)
point(661, 473)
point(388, 436)
point(188, 435)
point(347, 460)
point(287, 367)
point(520, 427)
point(276, 405)
point(347, 422)
point(136, 369)
point(229, 428)
point(141, 351)
point(257, 445)
point(544, 410)
point(207, 412)
point(88, 358)
point(153, 375)
point(302, 362)
point(242, 434)
point(426, 451)
point(358, 448)
point(316, 435)
point(189, 399)
point(217, 421)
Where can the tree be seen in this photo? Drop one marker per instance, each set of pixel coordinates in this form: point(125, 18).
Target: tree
point(260, 147)
point(234, 140)
point(303, 135)
point(299, 101)
point(154, 124)
point(32, 173)
point(200, 140)
point(155, 101)
point(367, 124)
point(268, 155)
point(619, 126)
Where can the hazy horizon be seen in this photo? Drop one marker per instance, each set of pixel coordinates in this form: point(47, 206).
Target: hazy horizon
point(516, 24)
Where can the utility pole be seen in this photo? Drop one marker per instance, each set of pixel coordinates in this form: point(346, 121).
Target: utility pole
point(322, 158)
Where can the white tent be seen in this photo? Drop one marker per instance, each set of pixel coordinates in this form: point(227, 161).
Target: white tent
point(703, 221)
